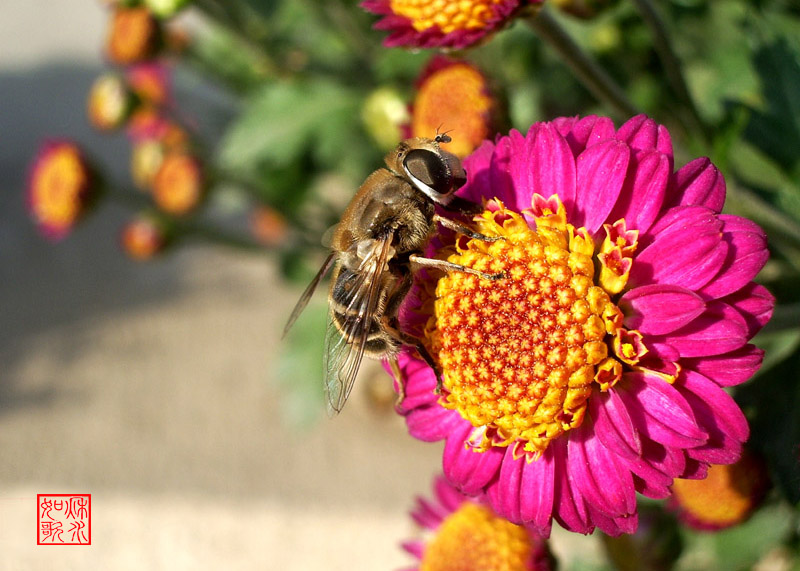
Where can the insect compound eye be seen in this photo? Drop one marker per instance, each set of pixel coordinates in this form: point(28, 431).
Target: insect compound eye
point(429, 172)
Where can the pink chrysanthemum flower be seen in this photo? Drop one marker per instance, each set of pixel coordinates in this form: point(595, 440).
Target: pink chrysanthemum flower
point(463, 533)
point(61, 187)
point(597, 367)
point(454, 24)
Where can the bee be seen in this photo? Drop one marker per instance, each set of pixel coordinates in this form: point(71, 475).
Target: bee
point(375, 249)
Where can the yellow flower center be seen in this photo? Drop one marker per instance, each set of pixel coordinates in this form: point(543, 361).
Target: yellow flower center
point(454, 98)
point(519, 355)
point(58, 185)
point(446, 15)
point(474, 538)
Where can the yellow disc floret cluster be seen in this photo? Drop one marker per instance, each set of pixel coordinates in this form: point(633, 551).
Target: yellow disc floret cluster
point(446, 15)
point(473, 537)
point(519, 355)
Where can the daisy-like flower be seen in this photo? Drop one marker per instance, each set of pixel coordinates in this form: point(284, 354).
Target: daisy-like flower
point(454, 96)
point(110, 102)
point(61, 187)
point(454, 24)
point(596, 368)
point(150, 81)
point(464, 533)
point(134, 35)
point(143, 237)
point(179, 184)
point(726, 497)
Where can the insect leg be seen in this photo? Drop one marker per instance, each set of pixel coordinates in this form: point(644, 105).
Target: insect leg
point(465, 230)
point(445, 266)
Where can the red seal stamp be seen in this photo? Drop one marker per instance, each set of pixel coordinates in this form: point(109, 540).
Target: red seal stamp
point(64, 519)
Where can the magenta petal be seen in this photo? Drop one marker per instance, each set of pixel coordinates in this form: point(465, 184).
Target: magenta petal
point(747, 254)
point(550, 166)
point(504, 494)
point(449, 498)
point(729, 369)
point(719, 415)
point(695, 470)
point(659, 411)
point(536, 492)
point(659, 309)
point(700, 183)
point(569, 509)
point(432, 423)
point(650, 481)
point(427, 514)
point(615, 526)
point(643, 134)
point(467, 469)
point(643, 191)
point(601, 171)
point(415, 548)
point(477, 167)
point(613, 425)
point(500, 182)
point(702, 253)
point(603, 481)
point(756, 305)
point(586, 132)
point(718, 330)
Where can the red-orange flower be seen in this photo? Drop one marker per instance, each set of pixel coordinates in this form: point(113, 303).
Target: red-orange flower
point(143, 238)
point(453, 24)
point(454, 95)
point(133, 36)
point(61, 186)
point(179, 185)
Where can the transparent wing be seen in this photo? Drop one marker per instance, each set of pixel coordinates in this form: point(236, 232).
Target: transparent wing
point(309, 291)
point(345, 344)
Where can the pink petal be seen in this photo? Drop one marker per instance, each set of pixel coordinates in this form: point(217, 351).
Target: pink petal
point(536, 492)
point(615, 526)
point(695, 470)
point(504, 494)
point(570, 510)
point(586, 132)
point(699, 183)
point(643, 191)
point(477, 167)
point(613, 425)
point(729, 369)
point(415, 548)
point(747, 254)
point(718, 330)
point(468, 470)
point(432, 423)
point(659, 309)
point(601, 171)
point(550, 166)
point(596, 472)
point(755, 303)
point(643, 134)
point(449, 498)
point(660, 412)
point(719, 415)
point(698, 241)
point(500, 182)
point(428, 515)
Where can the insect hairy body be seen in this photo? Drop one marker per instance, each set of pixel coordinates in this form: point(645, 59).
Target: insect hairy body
point(375, 249)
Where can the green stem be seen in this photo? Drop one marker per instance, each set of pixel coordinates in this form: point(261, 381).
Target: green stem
point(588, 71)
point(672, 66)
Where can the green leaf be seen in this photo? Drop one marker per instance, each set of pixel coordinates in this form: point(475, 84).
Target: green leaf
point(775, 128)
point(280, 121)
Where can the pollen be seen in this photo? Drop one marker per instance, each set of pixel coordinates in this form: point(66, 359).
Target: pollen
point(473, 537)
point(540, 339)
point(446, 15)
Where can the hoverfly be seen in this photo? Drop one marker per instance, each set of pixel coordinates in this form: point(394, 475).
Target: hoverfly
point(375, 249)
